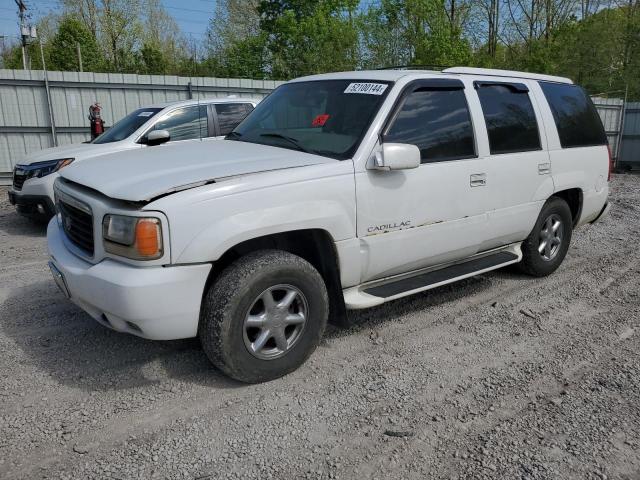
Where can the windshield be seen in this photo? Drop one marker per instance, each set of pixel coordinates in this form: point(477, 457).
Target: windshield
point(127, 125)
point(327, 117)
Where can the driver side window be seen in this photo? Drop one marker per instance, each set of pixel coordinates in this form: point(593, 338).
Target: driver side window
point(185, 123)
point(438, 122)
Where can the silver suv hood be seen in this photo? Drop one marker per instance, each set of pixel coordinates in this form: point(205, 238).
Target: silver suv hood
point(141, 175)
point(81, 150)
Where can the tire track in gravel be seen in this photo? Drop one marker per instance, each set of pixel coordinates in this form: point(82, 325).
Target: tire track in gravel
point(171, 412)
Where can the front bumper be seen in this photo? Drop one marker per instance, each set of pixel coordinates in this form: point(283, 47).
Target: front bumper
point(32, 205)
point(159, 303)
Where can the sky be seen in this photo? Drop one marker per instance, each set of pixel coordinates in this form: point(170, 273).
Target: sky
point(191, 15)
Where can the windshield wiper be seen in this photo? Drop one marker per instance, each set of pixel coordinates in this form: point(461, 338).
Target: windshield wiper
point(232, 135)
point(291, 140)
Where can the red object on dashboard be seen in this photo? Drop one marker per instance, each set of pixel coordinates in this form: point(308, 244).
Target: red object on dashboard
point(320, 120)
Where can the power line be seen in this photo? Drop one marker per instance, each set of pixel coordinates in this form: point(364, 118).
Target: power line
point(188, 9)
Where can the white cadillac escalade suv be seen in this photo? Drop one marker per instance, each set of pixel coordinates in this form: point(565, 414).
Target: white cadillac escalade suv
point(339, 191)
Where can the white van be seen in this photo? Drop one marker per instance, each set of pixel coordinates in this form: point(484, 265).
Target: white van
point(339, 191)
point(213, 118)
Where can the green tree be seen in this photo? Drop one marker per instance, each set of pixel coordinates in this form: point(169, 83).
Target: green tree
point(121, 33)
point(164, 46)
point(305, 36)
point(434, 39)
point(592, 52)
point(63, 53)
point(152, 59)
point(423, 32)
point(383, 43)
point(236, 46)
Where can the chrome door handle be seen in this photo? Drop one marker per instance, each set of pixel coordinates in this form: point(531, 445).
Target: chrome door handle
point(478, 180)
point(544, 168)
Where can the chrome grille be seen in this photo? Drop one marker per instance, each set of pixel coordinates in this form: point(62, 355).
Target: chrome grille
point(19, 176)
point(77, 224)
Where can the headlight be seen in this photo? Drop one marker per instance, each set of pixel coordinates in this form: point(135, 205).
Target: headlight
point(138, 238)
point(42, 169)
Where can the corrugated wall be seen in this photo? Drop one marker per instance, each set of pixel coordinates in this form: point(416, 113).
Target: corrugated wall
point(630, 151)
point(24, 113)
point(610, 110)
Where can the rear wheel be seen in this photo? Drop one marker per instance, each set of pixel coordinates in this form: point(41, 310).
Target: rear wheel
point(546, 246)
point(264, 316)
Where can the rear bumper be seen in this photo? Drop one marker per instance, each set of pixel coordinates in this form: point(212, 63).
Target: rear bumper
point(603, 213)
point(159, 303)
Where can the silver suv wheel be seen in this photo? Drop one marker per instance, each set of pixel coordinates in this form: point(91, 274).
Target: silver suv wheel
point(551, 236)
point(275, 321)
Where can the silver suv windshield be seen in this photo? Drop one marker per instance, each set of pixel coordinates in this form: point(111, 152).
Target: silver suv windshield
point(324, 117)
point(129, 124)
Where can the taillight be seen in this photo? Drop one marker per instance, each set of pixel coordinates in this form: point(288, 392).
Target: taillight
point(610, 163)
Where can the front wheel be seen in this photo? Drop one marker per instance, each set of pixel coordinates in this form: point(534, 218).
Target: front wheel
point(264, 316)
point(546, 246)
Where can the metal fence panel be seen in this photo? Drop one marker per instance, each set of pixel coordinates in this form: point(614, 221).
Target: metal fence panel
point(24, 113)
point(630, 151)
point(610, 110)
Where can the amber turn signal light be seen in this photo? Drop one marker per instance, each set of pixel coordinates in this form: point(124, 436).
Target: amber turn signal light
point(148, 238)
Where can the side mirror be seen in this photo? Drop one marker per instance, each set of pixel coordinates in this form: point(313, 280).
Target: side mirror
point(157, 137)
point(396, 156)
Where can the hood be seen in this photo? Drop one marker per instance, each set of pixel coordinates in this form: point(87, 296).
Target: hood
point(80, 150)
point(141, 175)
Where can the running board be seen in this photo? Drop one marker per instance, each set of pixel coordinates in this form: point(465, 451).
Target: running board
point(381, 291)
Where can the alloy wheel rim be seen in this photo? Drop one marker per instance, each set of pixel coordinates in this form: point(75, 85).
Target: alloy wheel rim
point(550, 239)
point(275, 321)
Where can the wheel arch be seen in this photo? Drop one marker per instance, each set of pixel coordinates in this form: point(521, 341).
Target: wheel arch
point(574, 198)
point(316, 246)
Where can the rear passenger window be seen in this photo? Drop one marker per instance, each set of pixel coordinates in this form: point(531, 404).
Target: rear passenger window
point(576, 118)
point(230, 115)
point(437, 122)
point(508, 114)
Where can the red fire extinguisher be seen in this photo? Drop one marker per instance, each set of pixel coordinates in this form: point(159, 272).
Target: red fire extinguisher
point(97, 124)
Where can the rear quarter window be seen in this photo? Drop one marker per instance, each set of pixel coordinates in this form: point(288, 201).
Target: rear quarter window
point(575, 116)
point(230, 115)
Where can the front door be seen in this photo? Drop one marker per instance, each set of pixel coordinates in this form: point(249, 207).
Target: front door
point(410, 219)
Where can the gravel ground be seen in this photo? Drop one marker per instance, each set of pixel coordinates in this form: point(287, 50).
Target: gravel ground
point(499, 376)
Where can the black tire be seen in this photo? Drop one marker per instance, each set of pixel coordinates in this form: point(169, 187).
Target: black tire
point(540, 264)
point(238, 289)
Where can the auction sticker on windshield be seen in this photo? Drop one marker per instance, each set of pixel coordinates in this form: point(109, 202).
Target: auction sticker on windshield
point(366, 88)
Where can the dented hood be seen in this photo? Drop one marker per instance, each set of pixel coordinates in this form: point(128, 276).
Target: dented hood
point(141, 175)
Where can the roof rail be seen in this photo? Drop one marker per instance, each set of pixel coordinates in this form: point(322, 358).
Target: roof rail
point(415, 67)
point(506, 73)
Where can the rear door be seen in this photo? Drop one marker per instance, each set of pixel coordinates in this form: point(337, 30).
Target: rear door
point(577, 144)
point(518, 165)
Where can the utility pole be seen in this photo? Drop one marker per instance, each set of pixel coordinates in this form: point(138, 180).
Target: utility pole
point(27, 31)
point(22, 8)
point(79, 55)
point(54, 136)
